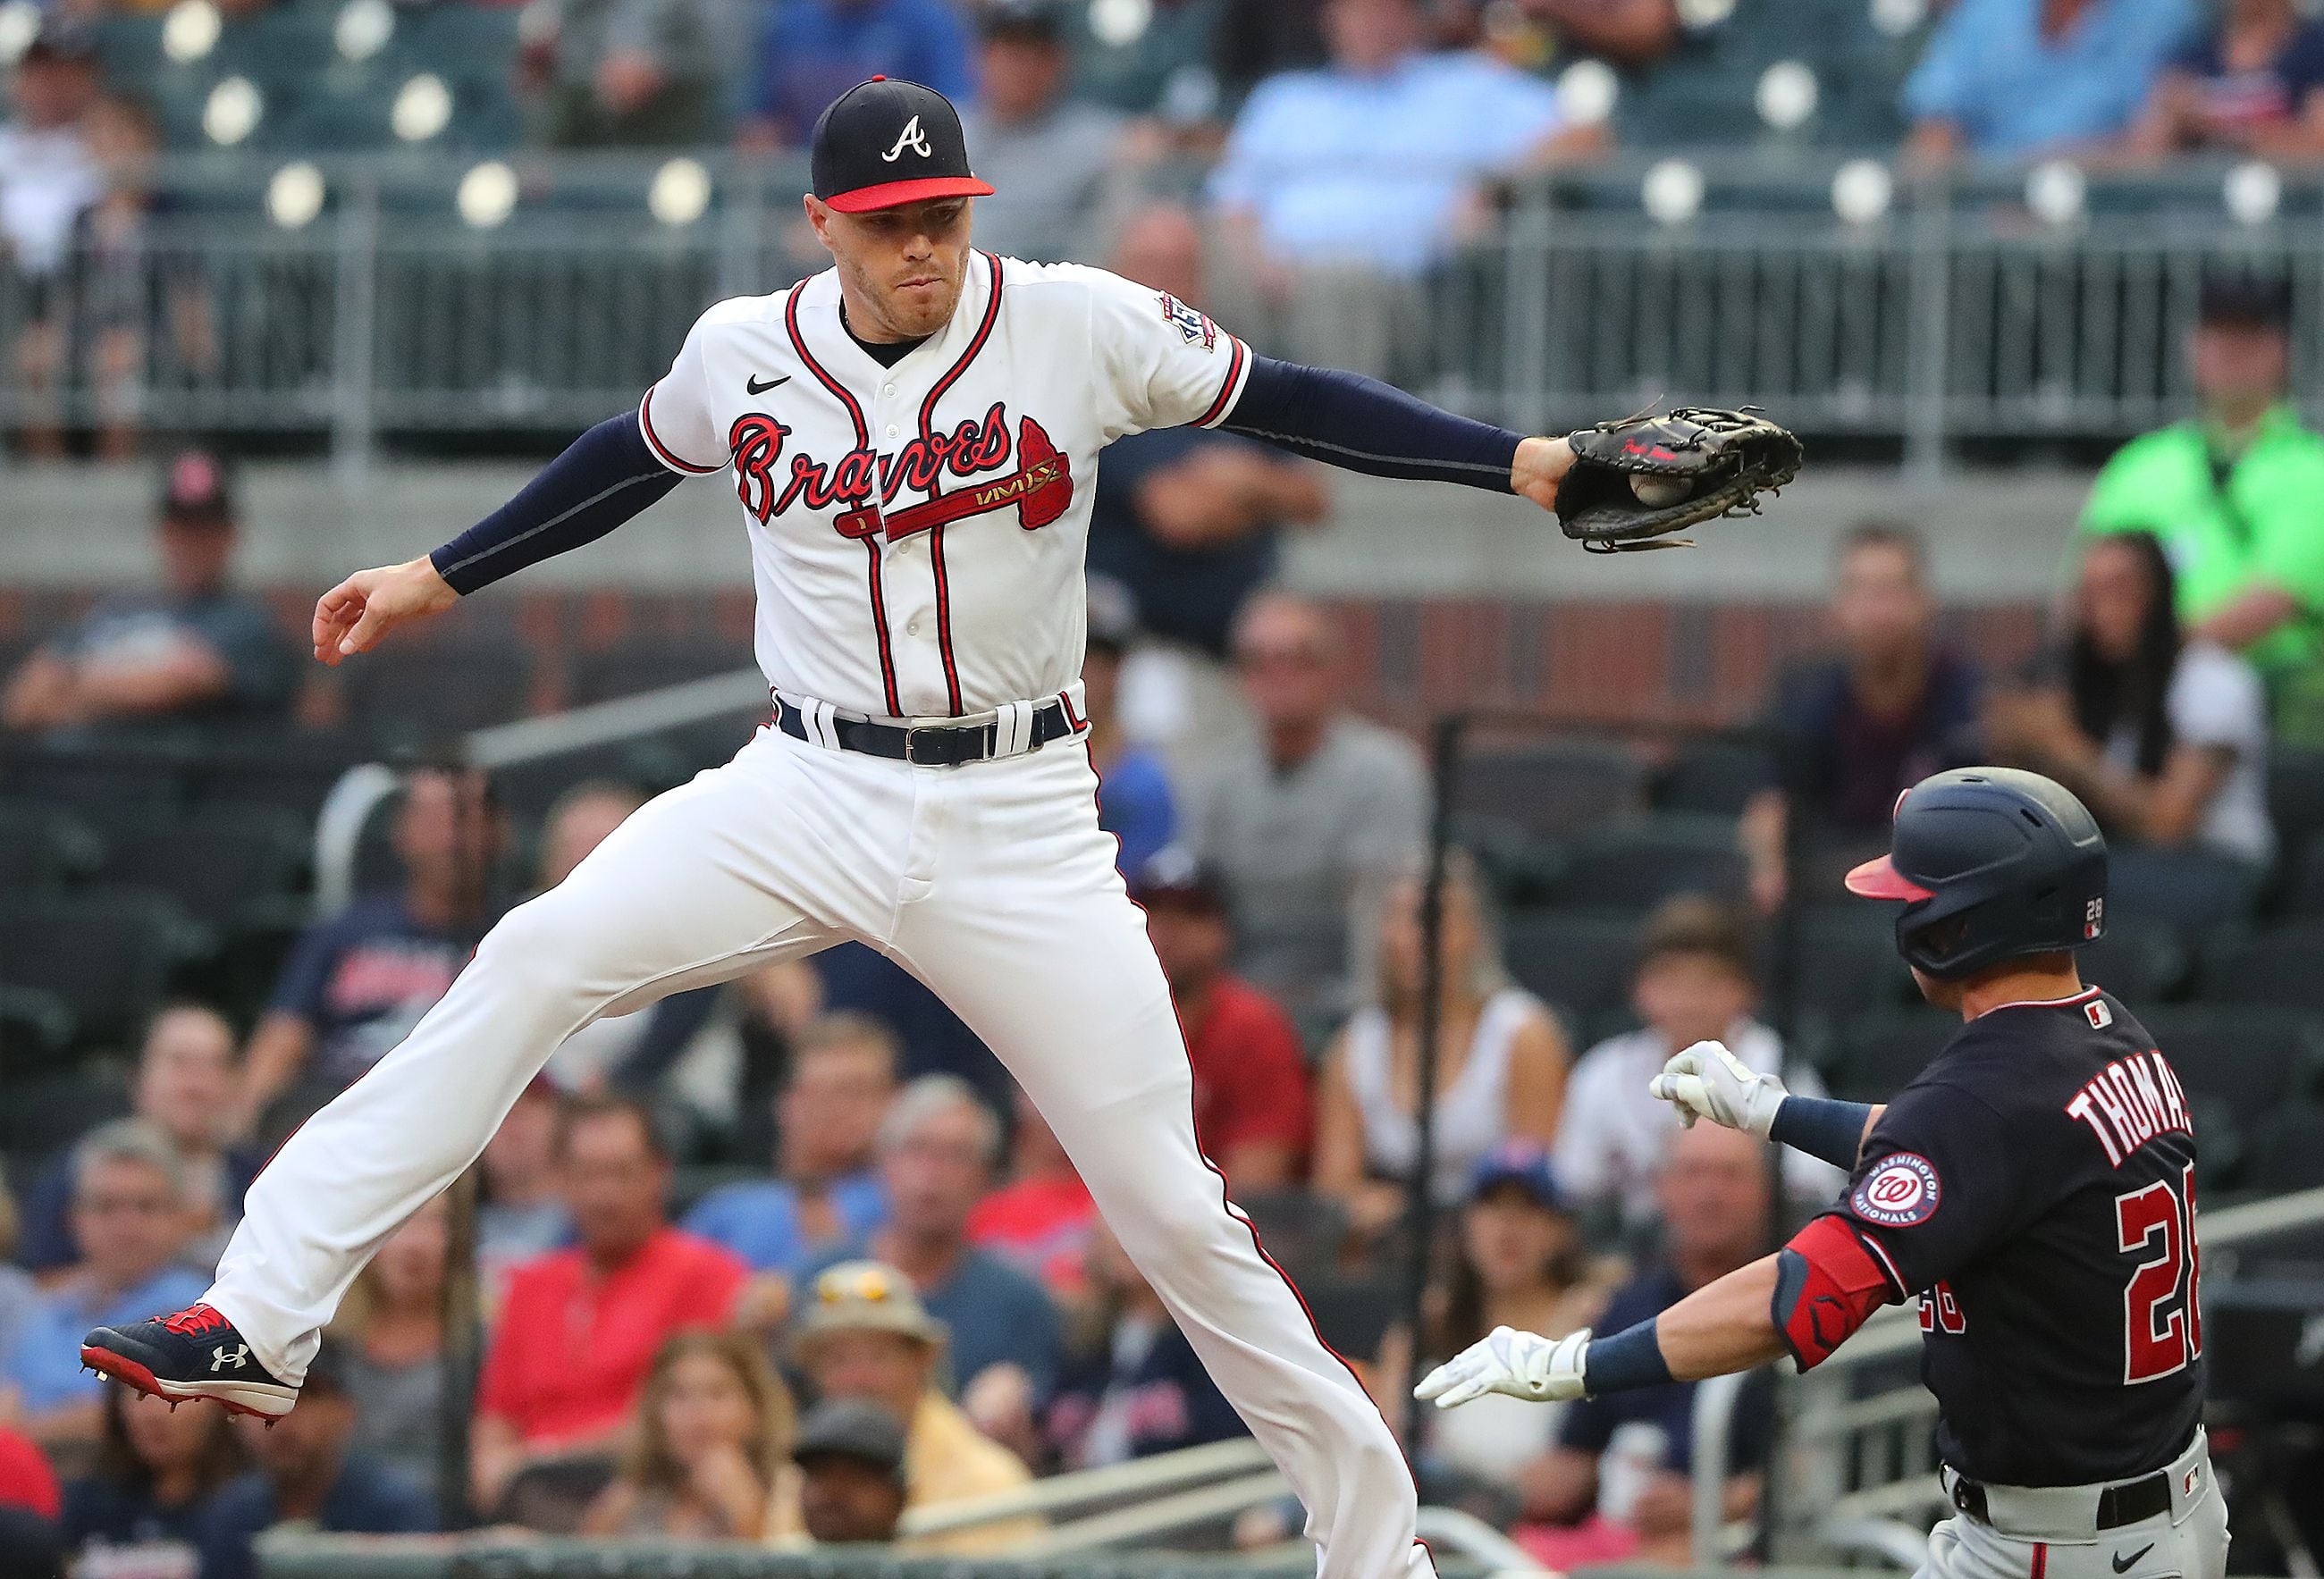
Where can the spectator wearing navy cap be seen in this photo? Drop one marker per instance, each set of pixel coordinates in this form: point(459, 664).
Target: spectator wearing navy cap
point(1253, 1111)
point(193, 651)
point(1136, 804)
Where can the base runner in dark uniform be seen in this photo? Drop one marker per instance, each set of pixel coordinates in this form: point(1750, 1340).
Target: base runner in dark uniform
point(2034, 1187)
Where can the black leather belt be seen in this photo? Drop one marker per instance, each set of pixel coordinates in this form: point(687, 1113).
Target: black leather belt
point(927, 744)
point(2131, 1503)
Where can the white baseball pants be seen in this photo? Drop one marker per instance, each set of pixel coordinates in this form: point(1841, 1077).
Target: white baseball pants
point(991, 882)
point(2050, 1533)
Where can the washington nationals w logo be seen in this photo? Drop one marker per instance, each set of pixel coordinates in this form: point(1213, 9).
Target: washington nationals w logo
point(912, 138)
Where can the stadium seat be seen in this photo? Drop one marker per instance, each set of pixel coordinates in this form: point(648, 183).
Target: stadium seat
point(2303, 880)
point(1644, 862)
point(1844, 962)
point(218, 863)
point(1717, 777)
point(2295, 797)
point(631, 666)
point(35, 1026)
point(2288, 1153)
point(47, 1110)
point(1580, 961)
point(1874, 1056)
point(1551, 789)
point(2140, 960)
point(106, 954)
point(426, 693)
point(44, 846)
point(1302, 1230)
point(2284, 968)
point(2239, 1064)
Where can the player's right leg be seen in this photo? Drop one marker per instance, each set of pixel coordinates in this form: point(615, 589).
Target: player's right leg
point(775, 855)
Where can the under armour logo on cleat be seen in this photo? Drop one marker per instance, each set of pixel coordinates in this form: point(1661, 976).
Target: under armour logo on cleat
point(913, 138)
point(220, 1359)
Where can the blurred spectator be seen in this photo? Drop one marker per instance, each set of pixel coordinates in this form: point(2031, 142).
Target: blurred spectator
point(826, 1196)
point(579, 1327)
point(1518, 1260)
point(1301, 824)
point(626, 73)
point(194, 652)
point(31, 1545)
point(2236, 494)
point(522, 1212)
point(1040, 1221)
point(1629, 33)
point(136, 310)
point(129, 1218)
point(2249, 81)
point(358, 982)
point(1050, 157)
point(1188, 518)
point(712, 1436)
point(631, 1051)
point(1252, 1108)
point(1257, 39)
point(1342, 186)
point(1135, 804)
point(390, 1333)
point(18, 1293)
point(939, 1145)
point(865, 1336)
point(47, 175)
point(183, 1088)
point(1500, 1063)
point(1855, 730)
point(310, 1473)
point(774, 1004)
point(2164, 740)
point(851, 1462)
point(810, 51)
point(138, 1514)
point(1696, 981)
point(1620, 1466)
point(935, 1040)
point(2010, 79)
point(1134, 1387)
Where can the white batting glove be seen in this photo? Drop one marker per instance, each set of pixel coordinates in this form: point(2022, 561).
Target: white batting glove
point(1707, 1081)
point(1523, 1365)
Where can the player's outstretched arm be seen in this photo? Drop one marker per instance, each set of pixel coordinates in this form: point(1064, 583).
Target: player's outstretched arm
point(1708, 1081)
point(603, 478)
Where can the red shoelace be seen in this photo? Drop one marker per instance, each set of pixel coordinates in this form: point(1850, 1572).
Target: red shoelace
point(193, 1320)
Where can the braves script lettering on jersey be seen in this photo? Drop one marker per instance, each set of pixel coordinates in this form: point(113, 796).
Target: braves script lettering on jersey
point(916, 537)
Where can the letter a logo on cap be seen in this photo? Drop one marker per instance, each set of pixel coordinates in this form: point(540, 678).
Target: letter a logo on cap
point(913, 138)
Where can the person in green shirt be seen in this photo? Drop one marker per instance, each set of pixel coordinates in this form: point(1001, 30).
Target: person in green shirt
point(2236, 495)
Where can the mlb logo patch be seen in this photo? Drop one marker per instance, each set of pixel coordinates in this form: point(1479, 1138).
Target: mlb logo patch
point(1194, 326)
point(2099, 1016)
point(1900, 1191)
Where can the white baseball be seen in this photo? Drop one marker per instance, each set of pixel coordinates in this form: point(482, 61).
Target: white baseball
point(1659, 493)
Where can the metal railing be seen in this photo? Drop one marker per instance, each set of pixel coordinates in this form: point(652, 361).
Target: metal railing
point(1856, 1473)
point(1952, 314)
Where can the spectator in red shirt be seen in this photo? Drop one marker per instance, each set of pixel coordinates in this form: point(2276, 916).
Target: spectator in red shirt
point(1040, 1220)
point(579, 1327)
point(1252, 1110)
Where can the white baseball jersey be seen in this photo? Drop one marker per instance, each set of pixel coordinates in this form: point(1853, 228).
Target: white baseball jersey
point(917, 532)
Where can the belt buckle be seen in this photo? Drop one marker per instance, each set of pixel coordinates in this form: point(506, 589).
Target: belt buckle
point(912, 734)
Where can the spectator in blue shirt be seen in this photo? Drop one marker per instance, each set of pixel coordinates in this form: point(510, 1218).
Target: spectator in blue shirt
point(938, 1148)
point(195, 652)
point(2012, 78)
point(358, 982)
point(1134, 801)
point(307, 1474)
point(810, 51)
point(129, 1216)
point(826, 1197)
point(1375, 159)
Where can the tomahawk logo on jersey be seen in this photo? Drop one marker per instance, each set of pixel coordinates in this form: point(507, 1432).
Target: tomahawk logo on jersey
point(2034, 1187)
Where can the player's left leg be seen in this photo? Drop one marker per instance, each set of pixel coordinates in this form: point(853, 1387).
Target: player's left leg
point(1026, 932)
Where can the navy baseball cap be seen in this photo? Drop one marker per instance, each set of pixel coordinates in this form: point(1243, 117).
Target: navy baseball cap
point(887, 142)
point(1522, 1164)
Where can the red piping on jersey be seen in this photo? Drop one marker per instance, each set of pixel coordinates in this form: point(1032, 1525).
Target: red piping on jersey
point(872, 540)
point(935, 483)
point(662, 452)
point(1226, 395)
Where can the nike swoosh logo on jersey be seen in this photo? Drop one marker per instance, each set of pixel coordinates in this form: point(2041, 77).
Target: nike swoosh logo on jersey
point(756, 388)
point(2122, 1565)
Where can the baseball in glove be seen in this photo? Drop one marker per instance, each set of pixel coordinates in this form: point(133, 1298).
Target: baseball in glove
point(1635, 481)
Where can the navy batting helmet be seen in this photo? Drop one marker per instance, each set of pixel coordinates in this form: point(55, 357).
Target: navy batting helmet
point(1991, 863)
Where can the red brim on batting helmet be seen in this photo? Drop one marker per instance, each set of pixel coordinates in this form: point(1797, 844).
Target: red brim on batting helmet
point(1878, 878)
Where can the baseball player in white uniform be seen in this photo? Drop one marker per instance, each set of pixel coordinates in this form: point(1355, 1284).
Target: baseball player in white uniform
point(913, 435)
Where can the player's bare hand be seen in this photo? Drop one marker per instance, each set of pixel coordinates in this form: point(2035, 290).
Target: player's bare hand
point(1707, 1081)
point(1541, 464)
point(1521, 1364)
point(354, 615)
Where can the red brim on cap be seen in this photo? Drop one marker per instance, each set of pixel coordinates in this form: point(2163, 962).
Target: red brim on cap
point(896, 193)
point(1878, 878)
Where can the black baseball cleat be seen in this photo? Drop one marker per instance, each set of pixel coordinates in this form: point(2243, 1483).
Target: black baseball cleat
point(194, 1354)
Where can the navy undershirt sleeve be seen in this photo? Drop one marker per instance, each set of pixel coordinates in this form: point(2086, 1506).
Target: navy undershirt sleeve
point(1822, 1126)
point(603, 478)
point(1363, 425)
